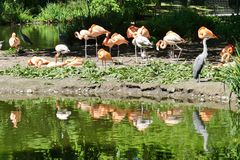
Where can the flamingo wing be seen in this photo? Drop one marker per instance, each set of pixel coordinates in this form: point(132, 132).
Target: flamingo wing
point(142, 41)
point(173, 37)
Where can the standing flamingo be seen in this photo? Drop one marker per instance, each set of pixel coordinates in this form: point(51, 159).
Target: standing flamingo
point(61, 49)
point(143, 43)
point(132, 31)
point(171, 38)
point(103, 55)
point(116, 39)
point(108, 42)
point(95, 31)
point(205, 34)
point(86, 35)
point(14, 41)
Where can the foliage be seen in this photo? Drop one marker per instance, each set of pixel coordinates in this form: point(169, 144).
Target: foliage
point(60, 12)
point(157, 71)
point(14, 12)
point(104, 7)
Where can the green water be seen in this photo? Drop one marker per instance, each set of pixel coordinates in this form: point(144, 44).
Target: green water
point(42, 36)
point(71, 128)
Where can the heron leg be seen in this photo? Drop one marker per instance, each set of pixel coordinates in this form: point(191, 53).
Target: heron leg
point(179, 51)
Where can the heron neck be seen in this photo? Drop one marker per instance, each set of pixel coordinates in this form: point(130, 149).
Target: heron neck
point(205, 46)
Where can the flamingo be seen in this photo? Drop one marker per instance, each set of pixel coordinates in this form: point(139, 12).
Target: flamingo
point(226, 53)
point(95, 31)
point(1, 43)
point(143, 43)
point(116, 39)
point(86, 35)
point(103, 55)
point(108, 42)
point(14, 41)
point(171, 38)
point(37, 61)
point(132, 31)
point(205, 34)
point(61, 49)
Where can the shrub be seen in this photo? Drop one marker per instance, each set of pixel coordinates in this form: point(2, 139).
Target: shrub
point(14, 12)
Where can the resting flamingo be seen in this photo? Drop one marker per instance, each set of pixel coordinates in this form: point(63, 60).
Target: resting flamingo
point(95, 31)
point(14, 41)
point(171, 38)
point(132, 31)
point(86, 35)
point(116, 39)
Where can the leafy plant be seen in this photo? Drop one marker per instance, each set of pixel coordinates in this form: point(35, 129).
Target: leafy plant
point(157, 71)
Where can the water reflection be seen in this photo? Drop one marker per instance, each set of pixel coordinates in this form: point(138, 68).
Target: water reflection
point(139, 119)
point(15, 117)
point(171, 117)
point(42, 36)
point(95, 129)
point(62, 113)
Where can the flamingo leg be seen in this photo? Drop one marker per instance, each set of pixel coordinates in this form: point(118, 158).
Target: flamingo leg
point(85, 48)
point(96, 46)
point(179, 51)
point(136, 52)
point(118, 51)
point(110, 49)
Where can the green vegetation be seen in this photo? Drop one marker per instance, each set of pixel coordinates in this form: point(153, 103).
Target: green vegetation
point(157, 71)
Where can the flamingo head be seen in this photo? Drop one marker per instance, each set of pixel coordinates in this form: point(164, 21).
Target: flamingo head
point(229, 49)
point(14, 34)
point(78, 35)
point(132, 29)
point(162, 44)
point(108, 34)
point(30, 62)
point(204, 32)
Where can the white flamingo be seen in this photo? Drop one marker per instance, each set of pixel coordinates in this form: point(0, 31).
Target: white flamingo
point(171, 38)
point(143, 43)
point(61, 49)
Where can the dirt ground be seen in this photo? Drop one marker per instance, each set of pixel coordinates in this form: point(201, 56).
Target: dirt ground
point(188, 91)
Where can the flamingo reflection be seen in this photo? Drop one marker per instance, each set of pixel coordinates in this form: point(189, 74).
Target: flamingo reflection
point(15, 117)
point(62, 114)
point(171, 117)
point(140, 120)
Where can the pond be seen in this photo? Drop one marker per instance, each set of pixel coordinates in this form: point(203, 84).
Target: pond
point(42, 36)
point(94, 128)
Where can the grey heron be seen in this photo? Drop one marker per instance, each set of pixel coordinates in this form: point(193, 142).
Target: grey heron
point(198, 64)
point(25, 38)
